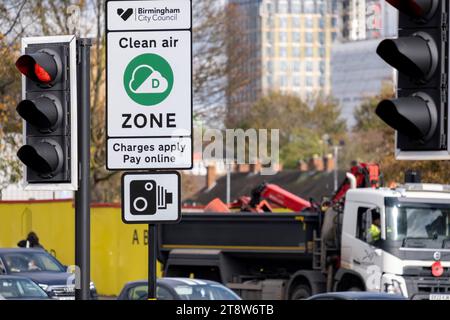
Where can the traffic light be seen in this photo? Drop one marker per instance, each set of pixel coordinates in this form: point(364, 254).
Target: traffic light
point(49, 90)
point(419, 114)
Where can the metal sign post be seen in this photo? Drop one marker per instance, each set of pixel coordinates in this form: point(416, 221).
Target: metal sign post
point(152, 260)
point(149, 116)
point(82, 196)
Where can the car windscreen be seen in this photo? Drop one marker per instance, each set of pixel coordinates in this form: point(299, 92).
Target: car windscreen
point(205, 292)
point(20, 289)
point(17, 262)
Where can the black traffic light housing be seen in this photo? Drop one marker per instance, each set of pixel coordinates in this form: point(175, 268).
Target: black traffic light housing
point(419, 114)
point(49, 113)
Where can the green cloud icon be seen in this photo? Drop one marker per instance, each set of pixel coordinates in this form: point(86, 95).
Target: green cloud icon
point(147, 80)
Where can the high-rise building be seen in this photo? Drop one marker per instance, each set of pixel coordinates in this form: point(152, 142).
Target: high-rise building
point(291, 44)
point(357, 71)
point(366, 19)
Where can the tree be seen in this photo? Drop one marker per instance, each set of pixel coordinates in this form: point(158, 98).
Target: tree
point(301, 126)
point(212, 26)
point(373, 141)
point(223, 58)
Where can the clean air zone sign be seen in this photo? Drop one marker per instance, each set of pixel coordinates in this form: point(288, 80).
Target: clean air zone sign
point(149, 84)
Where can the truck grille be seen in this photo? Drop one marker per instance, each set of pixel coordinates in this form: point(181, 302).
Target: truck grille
point(431, 287)
point(423, 271)
point(422, 287)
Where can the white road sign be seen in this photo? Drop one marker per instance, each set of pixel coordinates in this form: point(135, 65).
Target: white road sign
point(151, 197)
point(149, 85)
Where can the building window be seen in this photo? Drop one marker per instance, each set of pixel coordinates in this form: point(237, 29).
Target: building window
point(322, 81)
point(321, 8)
point(321, 23)
point(309, 66)
point(296, 82)
point(296, 52)
point(283, 66)
point(269, 51)
point(283, 37)
point(296, 37)
point(308, 37)
point(309, 81)
point(270, 66)
point(334, 22)
point(322, 38)
point(296, 66)
point(309, 22)
point(269, 7)
point(282, 6)
point(282, 79)
point(322, 66)
point(283, 52)
point(309, 52)
point(269, 81)
point(296, 22)
point(282, 22)
point(334, 36)
point(322, 52)
point(308, 6)
point(296, 6)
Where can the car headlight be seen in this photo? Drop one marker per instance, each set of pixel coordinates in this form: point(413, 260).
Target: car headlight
point(43, 286)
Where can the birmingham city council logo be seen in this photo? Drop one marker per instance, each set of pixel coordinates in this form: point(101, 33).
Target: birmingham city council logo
point(125, 14)
point(148, 79)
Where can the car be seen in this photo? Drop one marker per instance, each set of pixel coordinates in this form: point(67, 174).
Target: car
point(357, 295)
point(178, 289)
point(20, 288)
point(44, 269)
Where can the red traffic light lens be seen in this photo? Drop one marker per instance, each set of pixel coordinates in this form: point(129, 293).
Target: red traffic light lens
point(40, 67)
point(436, 269)
point(41, 74)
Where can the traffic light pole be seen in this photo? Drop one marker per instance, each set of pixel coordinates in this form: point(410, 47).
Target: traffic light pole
point(82, 196)
point(152, 257)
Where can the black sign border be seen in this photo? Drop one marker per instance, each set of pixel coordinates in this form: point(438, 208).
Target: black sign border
point(150, 173)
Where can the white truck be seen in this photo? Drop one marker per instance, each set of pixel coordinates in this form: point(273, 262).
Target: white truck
point(412, 257)
point(296, 255)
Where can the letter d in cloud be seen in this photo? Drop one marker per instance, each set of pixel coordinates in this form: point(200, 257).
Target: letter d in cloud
point(154, 82)
point(148, 79)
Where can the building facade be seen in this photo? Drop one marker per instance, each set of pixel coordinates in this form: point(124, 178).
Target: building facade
point(291, 42)
point(366, 20)
point(357, 71)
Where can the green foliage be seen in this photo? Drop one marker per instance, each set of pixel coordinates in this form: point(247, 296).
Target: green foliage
point(366, 119)
point(374, 141)
point(301, 126)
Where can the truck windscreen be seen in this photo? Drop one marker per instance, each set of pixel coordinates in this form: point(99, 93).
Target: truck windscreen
point(418, 221)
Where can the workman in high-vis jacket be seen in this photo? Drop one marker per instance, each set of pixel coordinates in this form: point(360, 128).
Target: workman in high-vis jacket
point(374, 229)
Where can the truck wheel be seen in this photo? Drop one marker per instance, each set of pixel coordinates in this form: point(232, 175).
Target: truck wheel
point(301, 292)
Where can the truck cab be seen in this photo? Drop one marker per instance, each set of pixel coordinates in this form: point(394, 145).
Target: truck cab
point(411, 256)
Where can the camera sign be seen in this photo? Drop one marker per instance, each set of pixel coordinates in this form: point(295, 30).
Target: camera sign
point(149, 85)
point(151, 197)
